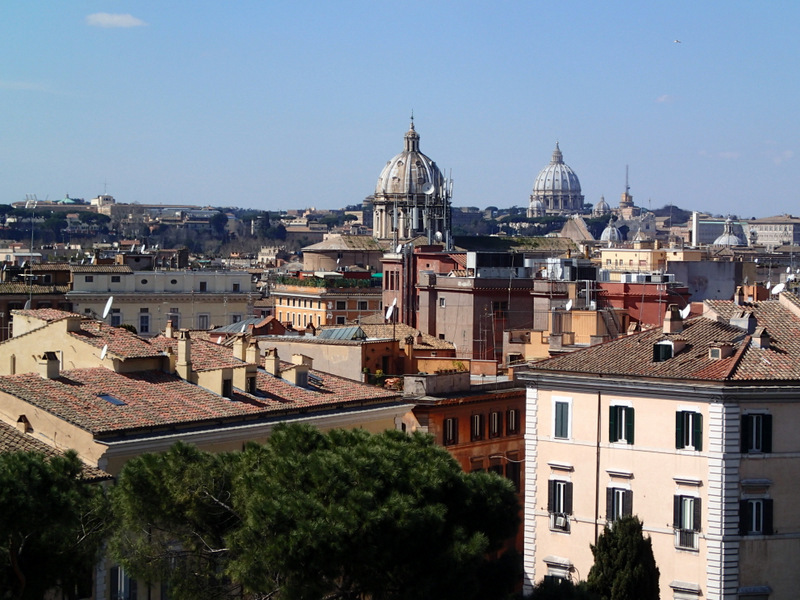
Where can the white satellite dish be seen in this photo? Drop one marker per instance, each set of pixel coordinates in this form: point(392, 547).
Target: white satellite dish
point(244, 327)
point(778, 289)
point(103, 352)
point(399, 249)
point(685, 311)
point(788, 269)
point(568, 305)
point(769, 284)
point(107, 309)
point(791, 277)
point(427, 188)
point(755, 261)
point(390, 310)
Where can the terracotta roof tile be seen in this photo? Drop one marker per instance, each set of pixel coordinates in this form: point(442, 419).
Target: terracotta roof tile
point(121, 342)
point(49, 315)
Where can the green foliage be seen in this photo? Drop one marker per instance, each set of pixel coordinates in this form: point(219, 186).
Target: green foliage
point(344, 514)
point(561, 589)
point(624, 566)
point(51, 525)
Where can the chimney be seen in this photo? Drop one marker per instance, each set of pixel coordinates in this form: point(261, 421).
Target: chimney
point(272, 362)
point(168, 333)
point(738, 296)
point(761, 338)
point(673, 323)
point(239, 346)
point(298, 372)
point(49, 365)
point(171, 360)
point(252, 355)
point(745, 320)
point(184, 364)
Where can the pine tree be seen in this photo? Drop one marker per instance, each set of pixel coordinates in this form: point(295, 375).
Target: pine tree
point(624, 566)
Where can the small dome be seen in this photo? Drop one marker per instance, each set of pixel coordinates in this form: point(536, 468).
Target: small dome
point(537, 209)
point(408, 172)
point(728, 238)
point(611, 233)
point(557, 177)
point(601, 208)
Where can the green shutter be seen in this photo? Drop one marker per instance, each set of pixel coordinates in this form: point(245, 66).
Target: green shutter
point(629, 420)
point(679, 429)
point(767, 516)
point(766, 433)
point(697, 434)
point(612, 423)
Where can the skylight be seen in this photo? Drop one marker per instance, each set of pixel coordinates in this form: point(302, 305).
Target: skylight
point(111, 399)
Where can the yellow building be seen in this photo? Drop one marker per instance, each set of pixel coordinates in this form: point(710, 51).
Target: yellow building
point(303, 305)
point(691, 427)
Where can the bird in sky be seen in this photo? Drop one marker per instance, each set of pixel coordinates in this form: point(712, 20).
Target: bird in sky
point(677, 41)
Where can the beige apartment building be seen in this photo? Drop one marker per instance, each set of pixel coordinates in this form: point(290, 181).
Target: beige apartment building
point(691, 427)
point(149, 299)
point(303, 305)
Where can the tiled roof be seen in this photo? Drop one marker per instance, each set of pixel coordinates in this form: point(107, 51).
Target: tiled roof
point(632, 356)
point(49, 315)
point(13, 440)
point(121, 342)
point(101, 269)
point(205, 355)
point(346, 242)
point(401, 331)
point(37, 289)
point(49, 267)
point(154, 399)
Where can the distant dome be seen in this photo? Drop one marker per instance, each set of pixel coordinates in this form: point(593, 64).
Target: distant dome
point(537, 209)
point(728, 238)
point(557, 187)
point(611, 233)
point(408, 172)
point(601, 208)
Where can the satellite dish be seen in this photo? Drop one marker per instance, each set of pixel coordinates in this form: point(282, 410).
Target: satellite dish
point(769, 284)
point(755, 261)
point(103, 352)
point(685, 311)
point(399, 249)
point(438, 236)
point(778, 289)
point(427, 188)
point(788, 269)
point(791, 277)
point(28, 304)
point(244, 327)
point(568, 305)
point(107, 309)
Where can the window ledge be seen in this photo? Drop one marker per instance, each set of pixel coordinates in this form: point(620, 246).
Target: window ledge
point(560, 466)
point(620, 474)
point(688, 481)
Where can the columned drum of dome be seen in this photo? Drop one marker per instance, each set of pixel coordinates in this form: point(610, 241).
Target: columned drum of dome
point(557, 187)
point(412, 196)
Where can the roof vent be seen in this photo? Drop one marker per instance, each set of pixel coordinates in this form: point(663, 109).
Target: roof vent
point(49, 365)
point(745, 320)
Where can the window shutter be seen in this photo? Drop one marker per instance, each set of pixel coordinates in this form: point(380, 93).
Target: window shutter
point(114, 580)
point(627, 503)
point(697, 434)
point(629, 420)
point(679, 429)
point(745, 434)
point(609, 503)
point(568, 498)
point(612, 423)
point(697, 514)
point(766, 433)
point(767, 517)
point(676, 511)
point(551, 495)
point(744, 516)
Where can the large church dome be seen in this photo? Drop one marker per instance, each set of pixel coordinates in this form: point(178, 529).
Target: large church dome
point(408, 172)
point(557, 186)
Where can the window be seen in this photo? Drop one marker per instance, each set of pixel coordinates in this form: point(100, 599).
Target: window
point(88, 278)
point(116, 317)
point(500, 309)
point(559, 503)
point(496, 465)
point(512, 421)
point(203, 321)
point(144, 323)
point(236, 287)
point(561, 421)
point(144, 281)
point(341, 305)
point(450, 431)
point(495, 424)
point(688, 430)
point(362, 305)
point(251, 385)
point(227, 388)
point(756, 433)
point(619, 503)
point(755, 516)
point(340, 320)
point(513, 468)
point(115, 279)
point(476, 427)
point(442, 302)
point(203, 286)
point(235, 319)
point(122, 586)
point(686, 521)
point(662, 351)
point(620, 424)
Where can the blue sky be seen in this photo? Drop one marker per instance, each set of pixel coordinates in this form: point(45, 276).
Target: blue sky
point(276, 105)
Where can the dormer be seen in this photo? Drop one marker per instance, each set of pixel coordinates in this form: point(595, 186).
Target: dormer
point(761, 338)
point(666, 349)
point(720, 350)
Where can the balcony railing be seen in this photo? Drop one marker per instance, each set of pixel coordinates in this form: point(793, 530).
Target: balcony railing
point(686, 539)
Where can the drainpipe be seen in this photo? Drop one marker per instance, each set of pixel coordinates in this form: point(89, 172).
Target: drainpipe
point(597, 472)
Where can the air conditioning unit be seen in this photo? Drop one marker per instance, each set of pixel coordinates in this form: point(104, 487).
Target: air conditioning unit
point(561, 522)
point(329, 316)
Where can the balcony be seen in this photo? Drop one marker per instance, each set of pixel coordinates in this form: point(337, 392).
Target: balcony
point(686, 539)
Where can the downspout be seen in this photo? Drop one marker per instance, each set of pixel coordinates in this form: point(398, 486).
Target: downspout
point(597, 473)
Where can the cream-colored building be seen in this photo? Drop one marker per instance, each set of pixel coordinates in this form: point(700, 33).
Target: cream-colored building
point(691, 427)
point(148, 299)
point(644, 259)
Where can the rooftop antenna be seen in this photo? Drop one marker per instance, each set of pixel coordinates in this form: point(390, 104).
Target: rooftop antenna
point(30, 202)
